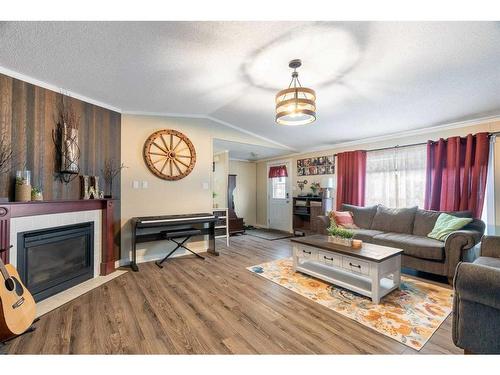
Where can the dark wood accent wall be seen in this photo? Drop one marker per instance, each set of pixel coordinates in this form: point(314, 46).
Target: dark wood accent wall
point(28, 114)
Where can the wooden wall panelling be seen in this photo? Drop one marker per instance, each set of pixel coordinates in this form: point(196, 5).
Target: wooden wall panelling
point(28, 114)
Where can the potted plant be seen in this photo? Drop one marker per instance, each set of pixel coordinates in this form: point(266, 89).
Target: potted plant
point(340, 236)
point(36, 194)
point(315, 187)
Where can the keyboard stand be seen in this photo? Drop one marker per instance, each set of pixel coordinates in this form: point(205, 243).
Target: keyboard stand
point(173, 235)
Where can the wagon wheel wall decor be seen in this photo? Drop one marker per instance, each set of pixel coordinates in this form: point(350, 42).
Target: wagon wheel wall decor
point(169, 154)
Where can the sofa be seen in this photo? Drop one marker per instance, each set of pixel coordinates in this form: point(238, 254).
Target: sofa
point(476, 303)
point(407, 229)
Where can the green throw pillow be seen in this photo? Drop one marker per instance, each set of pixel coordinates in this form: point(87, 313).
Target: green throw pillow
point(446, 224)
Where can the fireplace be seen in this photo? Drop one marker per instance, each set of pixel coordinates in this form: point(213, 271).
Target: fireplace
point(52, 260)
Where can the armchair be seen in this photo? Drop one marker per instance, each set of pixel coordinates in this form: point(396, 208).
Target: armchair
point(476, 304)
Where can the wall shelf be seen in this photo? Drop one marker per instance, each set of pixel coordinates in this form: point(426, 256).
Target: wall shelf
point(221, 225)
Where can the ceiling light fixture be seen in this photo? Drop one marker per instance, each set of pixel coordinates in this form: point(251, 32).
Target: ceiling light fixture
point(295, 105)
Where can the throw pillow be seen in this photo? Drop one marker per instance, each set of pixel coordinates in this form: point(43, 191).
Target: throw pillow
point(447, 224)
point(343, 219)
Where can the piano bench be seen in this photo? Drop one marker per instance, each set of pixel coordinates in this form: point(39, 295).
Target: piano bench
point(180, 233)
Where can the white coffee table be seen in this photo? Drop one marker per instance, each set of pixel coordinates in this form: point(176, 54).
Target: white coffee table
point(372, 271)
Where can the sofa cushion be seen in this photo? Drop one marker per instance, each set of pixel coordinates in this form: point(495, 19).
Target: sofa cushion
point(363, 216)
point(342, 219)
point(426, 219)
point(488, 261)
point(415, 246)
point(399, 220)
point(365, 234)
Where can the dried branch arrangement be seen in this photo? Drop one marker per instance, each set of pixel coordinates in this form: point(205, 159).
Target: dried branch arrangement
point(5, 153)
point(68, 116)
point(110, 171)
point(65, 137)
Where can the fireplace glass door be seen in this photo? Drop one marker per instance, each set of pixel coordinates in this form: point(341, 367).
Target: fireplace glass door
point(55, 259)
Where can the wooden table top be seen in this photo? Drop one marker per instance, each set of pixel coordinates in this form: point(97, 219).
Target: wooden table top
point(368, 251)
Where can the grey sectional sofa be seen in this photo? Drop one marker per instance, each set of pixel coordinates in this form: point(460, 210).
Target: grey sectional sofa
point(476, 303)
point(407, 228)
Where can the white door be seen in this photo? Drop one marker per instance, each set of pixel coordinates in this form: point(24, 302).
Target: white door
point(279, 201)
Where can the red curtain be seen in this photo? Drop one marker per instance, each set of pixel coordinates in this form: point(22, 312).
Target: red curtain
point(278, 171)
point(351, 175)
point(456, 173)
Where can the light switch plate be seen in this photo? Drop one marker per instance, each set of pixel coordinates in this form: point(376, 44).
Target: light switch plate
point(144, 184)
point(204, 185)
point(135, 184)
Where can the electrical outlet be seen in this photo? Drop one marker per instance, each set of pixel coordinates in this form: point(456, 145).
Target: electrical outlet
point(144, 184)
point(135, 184)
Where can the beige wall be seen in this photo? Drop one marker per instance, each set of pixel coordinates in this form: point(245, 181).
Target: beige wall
point(487, 126)
point(245, 194)
point(168, 197)
point(221, 160)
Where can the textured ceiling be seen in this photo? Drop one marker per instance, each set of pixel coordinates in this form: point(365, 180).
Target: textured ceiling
point(371, 78)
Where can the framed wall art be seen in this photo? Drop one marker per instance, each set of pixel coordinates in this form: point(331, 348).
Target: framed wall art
point(316, 166)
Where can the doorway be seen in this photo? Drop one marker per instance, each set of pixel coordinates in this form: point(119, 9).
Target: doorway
point(279, 197)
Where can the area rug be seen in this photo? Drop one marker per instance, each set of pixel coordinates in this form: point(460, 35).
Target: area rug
point(409, 315)
point(268, 234)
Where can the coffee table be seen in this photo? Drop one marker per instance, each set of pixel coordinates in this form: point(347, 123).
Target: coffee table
point(372, 271)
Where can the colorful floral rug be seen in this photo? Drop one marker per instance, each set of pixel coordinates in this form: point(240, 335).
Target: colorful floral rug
point(409, 315)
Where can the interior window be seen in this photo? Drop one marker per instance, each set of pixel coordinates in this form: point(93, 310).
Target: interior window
point(279, 187)
point(396, 177)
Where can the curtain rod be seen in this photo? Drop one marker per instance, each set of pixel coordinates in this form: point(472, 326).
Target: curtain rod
point(412, 144)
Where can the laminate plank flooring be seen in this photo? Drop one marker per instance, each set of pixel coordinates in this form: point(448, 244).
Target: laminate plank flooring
point(214, 306)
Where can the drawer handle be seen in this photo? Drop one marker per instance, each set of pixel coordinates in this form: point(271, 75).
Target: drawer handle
point(354, 265)
point(307, 252)
point(324, 256)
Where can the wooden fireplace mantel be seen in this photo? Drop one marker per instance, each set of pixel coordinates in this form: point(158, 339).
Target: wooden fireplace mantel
point(9, 210)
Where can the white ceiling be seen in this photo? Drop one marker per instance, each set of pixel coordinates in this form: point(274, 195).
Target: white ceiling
point(371, 78)
point(245, 151)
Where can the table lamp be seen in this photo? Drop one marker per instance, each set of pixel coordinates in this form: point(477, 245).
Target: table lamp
point(328, 184)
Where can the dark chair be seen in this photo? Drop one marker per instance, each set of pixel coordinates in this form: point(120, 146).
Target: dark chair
point(476, 305)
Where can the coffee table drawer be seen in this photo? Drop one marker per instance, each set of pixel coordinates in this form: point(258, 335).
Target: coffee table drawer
point(355, 265)
point(329, 258)
point(307, 252)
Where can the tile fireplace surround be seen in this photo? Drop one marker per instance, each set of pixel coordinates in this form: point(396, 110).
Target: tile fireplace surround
point(17, 217)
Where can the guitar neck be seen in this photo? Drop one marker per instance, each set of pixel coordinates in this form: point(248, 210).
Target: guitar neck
point(3, 270)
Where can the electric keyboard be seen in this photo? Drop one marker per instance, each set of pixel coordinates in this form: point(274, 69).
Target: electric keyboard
point(162, 228)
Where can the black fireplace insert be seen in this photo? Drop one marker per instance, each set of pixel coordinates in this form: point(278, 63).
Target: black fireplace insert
point(52, 260)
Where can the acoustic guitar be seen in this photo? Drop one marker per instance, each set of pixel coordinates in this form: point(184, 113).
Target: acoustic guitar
point(17, 306)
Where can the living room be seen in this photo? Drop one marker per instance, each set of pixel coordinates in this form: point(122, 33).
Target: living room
point(224, 186)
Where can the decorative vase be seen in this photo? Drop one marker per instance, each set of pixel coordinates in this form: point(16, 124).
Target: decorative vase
point(23, 193)
point(36, 196)
point(340, 240)
point(23, 186)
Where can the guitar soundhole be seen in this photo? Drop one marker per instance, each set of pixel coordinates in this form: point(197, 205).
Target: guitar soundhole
point(10, 285)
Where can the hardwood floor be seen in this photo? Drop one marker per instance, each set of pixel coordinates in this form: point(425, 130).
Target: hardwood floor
point(214, 306)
